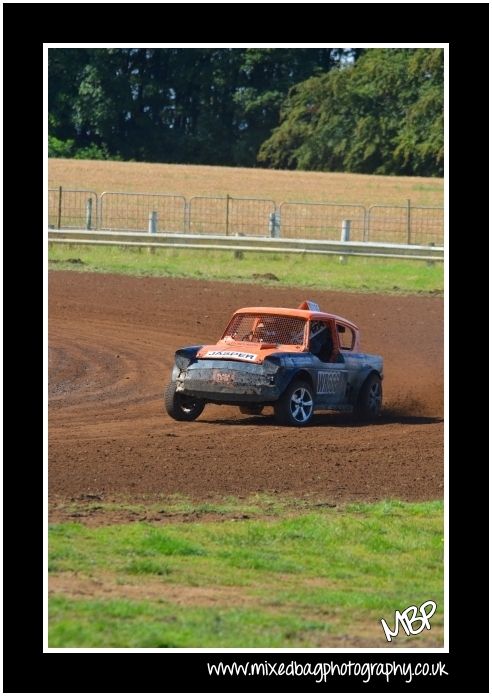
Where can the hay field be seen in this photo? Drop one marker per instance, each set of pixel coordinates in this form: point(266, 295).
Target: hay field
point(197, 180)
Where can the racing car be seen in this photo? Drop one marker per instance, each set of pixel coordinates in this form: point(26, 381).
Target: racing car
point(296, 360)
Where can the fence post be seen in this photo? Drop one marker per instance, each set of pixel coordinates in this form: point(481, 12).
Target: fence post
point(100, 210)
point(152, 228)
point(408, 222)
point(227, 214)
point(153, 222)
point(431, 263)
point(345, 237)
point(273, 225)
point(187, 217)
point(367, 217)
point(88, 214)
point(238, 253)
point(59, 206)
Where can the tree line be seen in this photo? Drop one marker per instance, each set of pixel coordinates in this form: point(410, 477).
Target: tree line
point(326, 109)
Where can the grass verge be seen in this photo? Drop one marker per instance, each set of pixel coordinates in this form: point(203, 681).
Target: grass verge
point(323, 578)
point(319, 272)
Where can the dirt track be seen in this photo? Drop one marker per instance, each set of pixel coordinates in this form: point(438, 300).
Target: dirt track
point(112, 341)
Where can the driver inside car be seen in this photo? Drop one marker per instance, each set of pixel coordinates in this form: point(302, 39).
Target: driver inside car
point(265, 332)
point(320, 341)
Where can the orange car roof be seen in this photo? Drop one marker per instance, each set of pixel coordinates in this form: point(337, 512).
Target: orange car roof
point(301, 313)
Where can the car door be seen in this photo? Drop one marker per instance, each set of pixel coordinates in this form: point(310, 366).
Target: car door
point(331, 371)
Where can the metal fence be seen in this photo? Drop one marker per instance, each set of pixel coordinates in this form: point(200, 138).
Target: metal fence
point(250, 217)
point(72, 208)
point(405, 224)
point(321, 220)
point(237, 243)
point(130, 211)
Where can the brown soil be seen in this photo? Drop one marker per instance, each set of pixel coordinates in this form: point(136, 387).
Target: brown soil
point(105, 586)
point(111, 347)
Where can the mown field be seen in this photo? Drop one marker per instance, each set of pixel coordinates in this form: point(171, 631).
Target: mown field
point(257, 573)
point(194, 180)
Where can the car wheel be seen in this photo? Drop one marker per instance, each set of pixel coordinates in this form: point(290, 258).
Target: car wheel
point(296, 405)
point(180, 406)
point(370, 399)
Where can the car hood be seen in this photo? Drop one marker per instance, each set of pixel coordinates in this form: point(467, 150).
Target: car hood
point(243, 352)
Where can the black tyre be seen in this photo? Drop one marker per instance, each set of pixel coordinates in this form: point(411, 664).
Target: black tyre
point(370, 399)
point(296, 405)
point(251, 410)
point(180, 406)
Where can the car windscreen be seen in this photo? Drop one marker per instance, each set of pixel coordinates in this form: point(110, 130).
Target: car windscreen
point(266, 328)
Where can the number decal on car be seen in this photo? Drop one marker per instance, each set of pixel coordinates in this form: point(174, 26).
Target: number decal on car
point(223, 377)
point(328, 382)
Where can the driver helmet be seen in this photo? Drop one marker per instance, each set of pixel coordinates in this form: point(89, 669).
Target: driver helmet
point(266, 328)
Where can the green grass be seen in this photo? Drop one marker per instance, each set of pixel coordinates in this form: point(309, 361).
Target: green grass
point(293, 579)
point(321, 272)
point(176, 505)
point(150, 625)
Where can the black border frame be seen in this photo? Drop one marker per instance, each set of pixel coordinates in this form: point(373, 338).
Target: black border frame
point(465, 27)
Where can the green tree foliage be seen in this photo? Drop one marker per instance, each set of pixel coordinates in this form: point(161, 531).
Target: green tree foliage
point(383, 115)
point(204, 105)
point(328, 109)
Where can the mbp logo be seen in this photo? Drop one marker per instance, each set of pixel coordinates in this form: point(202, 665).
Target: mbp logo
point(410, 616)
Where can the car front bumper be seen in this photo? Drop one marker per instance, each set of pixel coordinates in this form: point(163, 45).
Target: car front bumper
point(231, 382)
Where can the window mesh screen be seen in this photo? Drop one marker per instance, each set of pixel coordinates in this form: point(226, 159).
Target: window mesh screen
point(266, 328)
